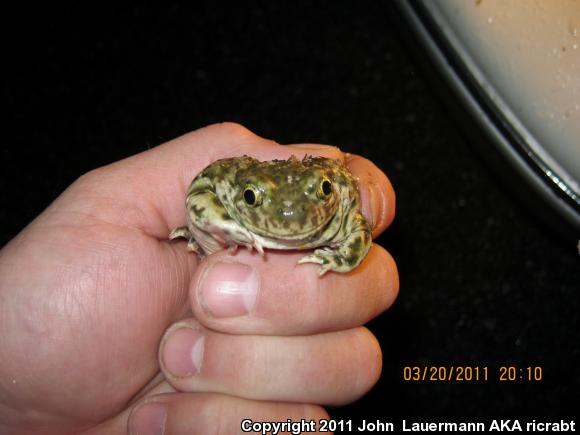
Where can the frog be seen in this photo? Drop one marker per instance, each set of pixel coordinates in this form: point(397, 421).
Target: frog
point(311, 203)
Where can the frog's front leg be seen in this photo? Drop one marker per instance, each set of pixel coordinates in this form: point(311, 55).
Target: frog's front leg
point(210, 226)
point(183, 232)
point(345, 255)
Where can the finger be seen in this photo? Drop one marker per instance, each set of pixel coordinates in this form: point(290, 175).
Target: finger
point(273, 295)
point(118, 424)
point(165, 411)
point(376, 191)
point(183, 413)
point(147, 191)
point(332, 368)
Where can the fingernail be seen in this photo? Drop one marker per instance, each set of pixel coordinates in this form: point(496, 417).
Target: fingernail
point(183, 352)
point(370, 198)
point(228, 289)
point(372, 201)
point(148, 419)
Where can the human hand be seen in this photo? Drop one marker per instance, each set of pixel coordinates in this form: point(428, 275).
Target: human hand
point(89, 288)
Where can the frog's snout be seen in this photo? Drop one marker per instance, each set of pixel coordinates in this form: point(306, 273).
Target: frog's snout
point(291, 211)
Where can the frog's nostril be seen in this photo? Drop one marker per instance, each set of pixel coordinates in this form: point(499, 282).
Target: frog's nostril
point(286, 212)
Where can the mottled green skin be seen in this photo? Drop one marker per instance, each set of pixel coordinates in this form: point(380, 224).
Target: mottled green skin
point(292, 210)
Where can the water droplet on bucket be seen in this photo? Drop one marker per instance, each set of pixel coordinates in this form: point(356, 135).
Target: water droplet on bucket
point(574, 27)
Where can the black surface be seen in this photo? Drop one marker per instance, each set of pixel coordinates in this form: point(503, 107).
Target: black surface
point(483, 283)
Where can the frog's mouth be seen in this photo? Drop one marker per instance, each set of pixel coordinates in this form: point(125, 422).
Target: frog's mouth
point(290, 234)
point(289, 231)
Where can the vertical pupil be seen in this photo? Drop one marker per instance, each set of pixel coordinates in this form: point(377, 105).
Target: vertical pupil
point(326, 187)
point(249, 196)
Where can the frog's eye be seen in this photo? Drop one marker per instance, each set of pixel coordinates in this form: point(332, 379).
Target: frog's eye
point(325, 189)
point(252, 196)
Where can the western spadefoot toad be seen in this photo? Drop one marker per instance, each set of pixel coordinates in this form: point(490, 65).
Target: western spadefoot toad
point(278, 204)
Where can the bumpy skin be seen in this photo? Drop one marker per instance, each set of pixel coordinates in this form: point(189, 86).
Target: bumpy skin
point(278, 204)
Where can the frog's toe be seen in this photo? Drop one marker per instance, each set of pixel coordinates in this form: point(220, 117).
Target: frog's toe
point(312, 258)
point(259, 248)
point(326, 257)
point(193, 246)
point(325, 268)
point(330, 260)
point(232, 249)
point(182, 232)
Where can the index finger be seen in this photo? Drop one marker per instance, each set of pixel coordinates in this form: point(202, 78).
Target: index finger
point(147, 191)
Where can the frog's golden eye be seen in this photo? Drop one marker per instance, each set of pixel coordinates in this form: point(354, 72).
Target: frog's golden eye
point(252, 196)
point(325, 189)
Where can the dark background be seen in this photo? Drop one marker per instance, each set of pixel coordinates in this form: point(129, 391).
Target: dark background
point(483, 282)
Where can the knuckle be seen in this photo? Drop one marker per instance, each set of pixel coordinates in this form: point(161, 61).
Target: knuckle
point(388, 281)
point(230, 129)
point(370, 362)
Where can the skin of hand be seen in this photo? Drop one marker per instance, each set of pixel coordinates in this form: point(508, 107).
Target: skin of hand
point(108, 328)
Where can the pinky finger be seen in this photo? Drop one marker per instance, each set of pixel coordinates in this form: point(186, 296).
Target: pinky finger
point(217, 414)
